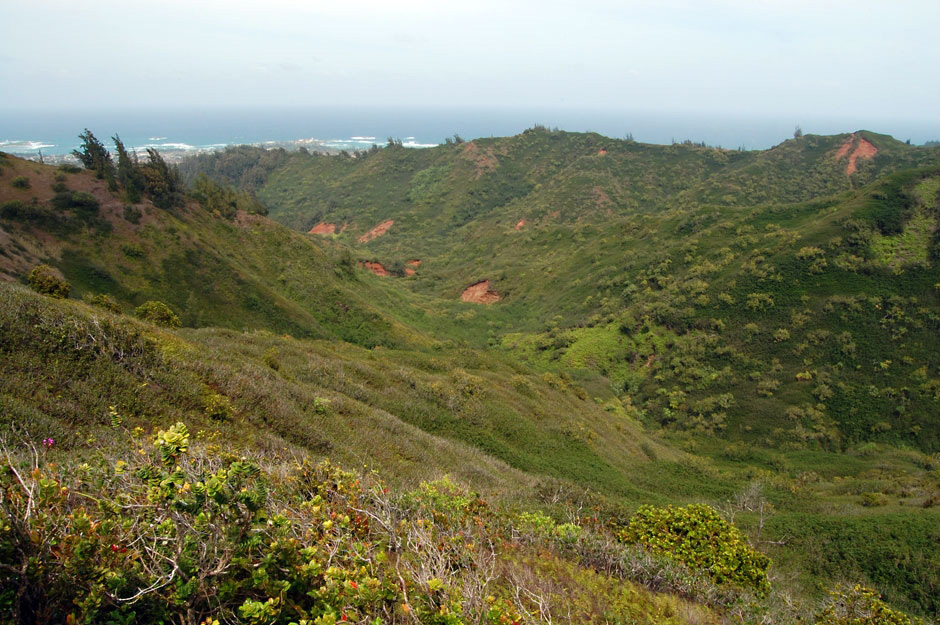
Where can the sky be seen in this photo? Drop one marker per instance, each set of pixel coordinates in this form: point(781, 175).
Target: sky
point(827, 58)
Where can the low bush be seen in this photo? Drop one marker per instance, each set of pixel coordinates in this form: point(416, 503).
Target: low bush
point(44, 279)
point(860, 606)
point(105, 301)
point(82, 203)
point(157, 313)
point(697, 536)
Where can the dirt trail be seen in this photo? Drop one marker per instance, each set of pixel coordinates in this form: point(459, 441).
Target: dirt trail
point(480, 293)
point(378, 231)
point(521, 224)
point(413, 262)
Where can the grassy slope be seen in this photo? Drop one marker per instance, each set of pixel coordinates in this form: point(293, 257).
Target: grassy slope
point(510, 435)
point(463, 413)
point(656, 249)
point(245, 273)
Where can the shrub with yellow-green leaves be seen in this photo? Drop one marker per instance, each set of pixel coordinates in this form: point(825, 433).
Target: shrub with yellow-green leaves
point(157, 313)
point(697, 536)
point(44, 279)
point(858, 605)
point(171, 533)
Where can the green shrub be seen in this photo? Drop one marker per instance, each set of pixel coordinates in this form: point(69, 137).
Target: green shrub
point(105, 301)
point(20, 182)
point(132, 250)
point(860, 606)
point(12, 209)
point(132, 214)
point(68, 168)
point(321, 405)
point(78, 201)
point(270, 358)
point(157, 313)
point(43, 279)
point(218, 407)
point(697, 536)
point(873, 500)
point(176, 532)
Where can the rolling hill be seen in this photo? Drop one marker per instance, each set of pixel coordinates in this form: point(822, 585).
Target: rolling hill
point(569, 327)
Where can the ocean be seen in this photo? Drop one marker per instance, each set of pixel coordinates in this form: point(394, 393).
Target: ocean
point(56, 132)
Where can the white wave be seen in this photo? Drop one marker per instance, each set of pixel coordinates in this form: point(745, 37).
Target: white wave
point(15, 144)
point(363, 138)
point(166, 146)
point(412, 144)
point(156, 138)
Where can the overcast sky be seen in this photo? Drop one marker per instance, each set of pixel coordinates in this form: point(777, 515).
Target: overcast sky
point(822, 57)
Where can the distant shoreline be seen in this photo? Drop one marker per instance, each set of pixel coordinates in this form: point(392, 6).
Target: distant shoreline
point(174, 154)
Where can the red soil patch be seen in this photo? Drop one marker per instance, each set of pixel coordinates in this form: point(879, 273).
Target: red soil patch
point(480, 293)
point(409, 271)
point(845, 147)
point(376, 268)
point(602, 152)
point(521, 224)
point(413, 263)
point(323, 228)
point(864, 149)
point(378, 231)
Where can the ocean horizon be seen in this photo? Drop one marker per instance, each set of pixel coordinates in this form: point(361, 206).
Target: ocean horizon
point(56, 132)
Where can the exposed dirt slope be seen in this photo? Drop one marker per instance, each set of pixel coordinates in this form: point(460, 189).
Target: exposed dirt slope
point(480, 293)
point(378, 231)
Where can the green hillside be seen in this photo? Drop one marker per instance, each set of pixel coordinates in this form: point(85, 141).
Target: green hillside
point(717, 290)
point(236, 271)
point(751, 333)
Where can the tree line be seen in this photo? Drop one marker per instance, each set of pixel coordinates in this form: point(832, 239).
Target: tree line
point(155, 178)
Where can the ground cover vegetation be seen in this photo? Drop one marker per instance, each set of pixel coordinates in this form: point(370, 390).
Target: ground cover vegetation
point(752, 333)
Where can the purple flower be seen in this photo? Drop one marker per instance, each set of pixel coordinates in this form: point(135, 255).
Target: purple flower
point(48, 443)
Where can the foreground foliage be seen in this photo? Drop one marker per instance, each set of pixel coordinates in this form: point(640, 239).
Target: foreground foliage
point(175, 528)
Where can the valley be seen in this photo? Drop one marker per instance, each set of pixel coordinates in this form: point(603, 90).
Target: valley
point(525, 340)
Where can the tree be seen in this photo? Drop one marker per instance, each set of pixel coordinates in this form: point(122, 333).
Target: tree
point(797, 132)
point(161, 181)
point(94, 156)
point(128, 172)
